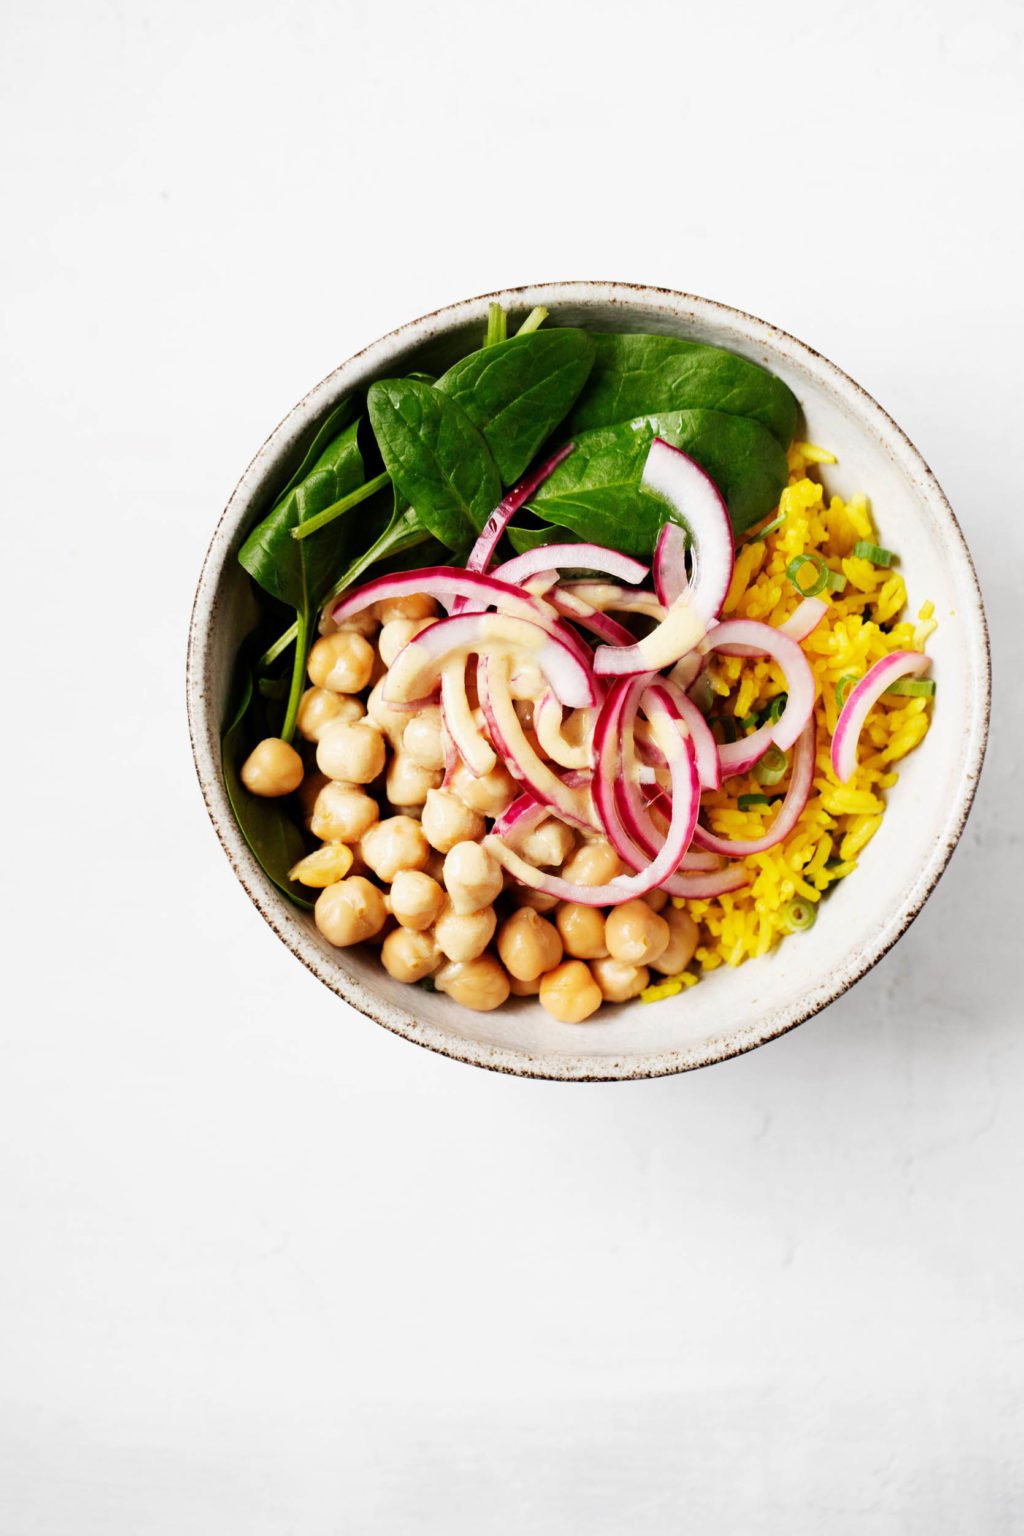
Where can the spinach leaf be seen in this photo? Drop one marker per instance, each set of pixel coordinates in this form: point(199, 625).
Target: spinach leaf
point(636, 375)
point(524, 537)
point(437, 460)
point(274, 837)
point(596, 491)
point(299, 572)
point(337, 417)
point(517, 391)
point(403, 532)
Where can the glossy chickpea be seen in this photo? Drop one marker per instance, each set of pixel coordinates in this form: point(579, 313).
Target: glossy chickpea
point(447, 821)
point(325, 866)
point(416, 899)
point(273, 768)
point(414, 606)
point(409, 956)
point(342, 813)
point(528, 945)
point(618, 980)
point(393, 844)
point(480, 984)
point(656, 900)
point(407, 782)
point(537, 901)
point(635, 934)
point(396, 634)
point(491, 794)
point(350, 912)
point(389, 720)
point(549, 843)
point(472, 876)
point(353, 753)
point(365, 624)
point(593, 863)
point(464, 935)
point(342, 662)
point(683, 938)
point(319, 708)
point(569, 992)
point(582, 930)
point(422, 739)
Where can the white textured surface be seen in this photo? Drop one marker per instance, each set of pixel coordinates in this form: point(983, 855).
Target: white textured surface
point(266, 1268)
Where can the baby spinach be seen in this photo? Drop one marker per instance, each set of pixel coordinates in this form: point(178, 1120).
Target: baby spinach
point(516, 392)
point(338, 417)
point(596, 491)
point(275, 839)
point(635, 375)
point(437, 460)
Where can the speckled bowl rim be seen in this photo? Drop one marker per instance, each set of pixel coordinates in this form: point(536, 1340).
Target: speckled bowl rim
point(282, 918)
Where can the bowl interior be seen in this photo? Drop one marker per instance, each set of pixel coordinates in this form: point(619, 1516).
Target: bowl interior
point(731, 1010)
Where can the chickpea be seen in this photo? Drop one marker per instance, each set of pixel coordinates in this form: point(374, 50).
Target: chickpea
point(656, 900)
point(350, 912)
point(683, 937)
point(396, 634)
point(325, 866)
point(342, 813)
point(416, 899)
point(407, 782)
point(537, 901)
point(549, 843)
point(272, 768)
point(352, 753)
point(635, 934)
point(447, 821)
point(365, 623)
point(394, 844)
point(570, 993)
point(618, 980)
point(594, 863)
point(582, 930)
point(524, 988)
point(480, 984)
point(422, 739)
point(389, 720)
point(473, 877)
point(528, 945)
point(409, 956)
point(308, 794)
point(413, 606)
point(342, 662)
point(464, 935)
point(491, 794)
point(319, 707)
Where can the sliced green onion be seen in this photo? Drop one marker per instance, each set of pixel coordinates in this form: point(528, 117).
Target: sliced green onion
point(776, 707)
point(799, 915)
point(913, 687)
point(865, 550)
point(835, 581)
point(772, 527)
point(797, 564)
point(749, 723)
point(748, 802)
point(845, 683)
point(772, 766)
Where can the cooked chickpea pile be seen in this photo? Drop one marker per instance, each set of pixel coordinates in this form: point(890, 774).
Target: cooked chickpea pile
point(401, 862)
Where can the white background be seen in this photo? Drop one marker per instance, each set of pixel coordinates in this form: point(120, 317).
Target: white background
point(265, 1268)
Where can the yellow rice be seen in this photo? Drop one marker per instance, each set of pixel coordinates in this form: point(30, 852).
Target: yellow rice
point(839, 819)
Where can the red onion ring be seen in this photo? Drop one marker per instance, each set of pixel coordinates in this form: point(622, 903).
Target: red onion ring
point(788, 814)
point(861, 700)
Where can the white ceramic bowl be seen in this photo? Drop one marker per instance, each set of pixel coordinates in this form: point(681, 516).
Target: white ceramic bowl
point(732, 1010)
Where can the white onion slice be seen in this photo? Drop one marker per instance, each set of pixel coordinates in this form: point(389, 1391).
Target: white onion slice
point(417, 668)
point(578, 557)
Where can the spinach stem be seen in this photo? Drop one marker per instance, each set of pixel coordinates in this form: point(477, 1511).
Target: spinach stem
point(321, 519)
point(534, 320)
point(497, 325)
point(278, 648)
point(291, 714)
point(403, 532)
